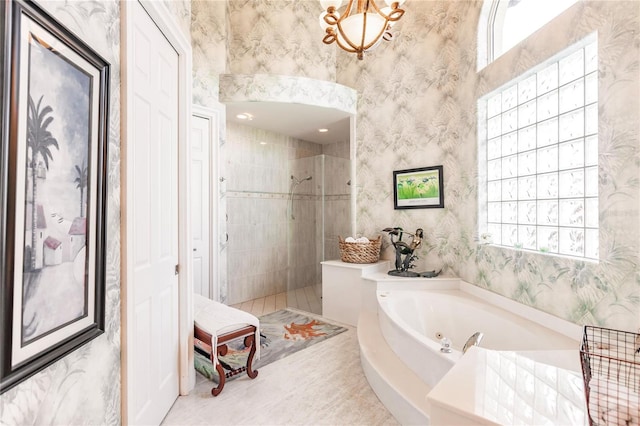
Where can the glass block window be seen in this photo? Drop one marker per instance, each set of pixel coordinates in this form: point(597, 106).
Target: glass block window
point(540, 168)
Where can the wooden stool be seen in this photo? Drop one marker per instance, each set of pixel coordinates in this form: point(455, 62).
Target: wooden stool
point(205, 339)
point(214, 325)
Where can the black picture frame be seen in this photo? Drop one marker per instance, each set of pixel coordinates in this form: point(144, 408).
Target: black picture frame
point(419, 188)
point(55, 109)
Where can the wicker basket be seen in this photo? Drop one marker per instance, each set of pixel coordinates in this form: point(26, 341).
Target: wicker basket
point(360, 252)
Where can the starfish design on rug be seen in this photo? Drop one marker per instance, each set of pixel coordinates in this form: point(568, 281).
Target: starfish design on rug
point(282, 333)
point(302, 331)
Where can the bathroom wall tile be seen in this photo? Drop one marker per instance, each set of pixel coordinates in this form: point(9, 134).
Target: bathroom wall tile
point(259, 206)
point(337, 149)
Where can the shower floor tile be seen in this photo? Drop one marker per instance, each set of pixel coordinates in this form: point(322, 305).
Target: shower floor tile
point(306, 299)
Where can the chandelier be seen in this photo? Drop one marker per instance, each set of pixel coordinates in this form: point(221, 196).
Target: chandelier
point(361, 26)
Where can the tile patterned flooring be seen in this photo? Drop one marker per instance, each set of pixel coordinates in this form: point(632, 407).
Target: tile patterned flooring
point(305, 299)
point(321, 385)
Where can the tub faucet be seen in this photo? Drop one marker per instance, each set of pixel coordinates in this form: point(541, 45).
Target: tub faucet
point(474, 340)
point(446, 345)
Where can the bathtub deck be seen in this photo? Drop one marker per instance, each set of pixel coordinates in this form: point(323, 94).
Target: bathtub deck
point(399, 389)
point(489, 387)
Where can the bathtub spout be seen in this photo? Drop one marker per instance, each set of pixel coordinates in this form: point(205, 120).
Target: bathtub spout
point(474, 340)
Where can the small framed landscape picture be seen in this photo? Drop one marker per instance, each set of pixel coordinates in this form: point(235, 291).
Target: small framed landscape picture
point(419, 188)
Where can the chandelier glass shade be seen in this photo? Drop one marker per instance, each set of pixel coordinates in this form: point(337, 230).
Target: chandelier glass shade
point(361, 26)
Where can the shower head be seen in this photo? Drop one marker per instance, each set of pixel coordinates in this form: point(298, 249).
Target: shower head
point(297, 181)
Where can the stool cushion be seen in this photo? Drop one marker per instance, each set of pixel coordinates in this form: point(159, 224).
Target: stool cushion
point(216, 319)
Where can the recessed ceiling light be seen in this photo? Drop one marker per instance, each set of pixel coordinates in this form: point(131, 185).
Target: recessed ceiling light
point(245, 116)
point(323, 130)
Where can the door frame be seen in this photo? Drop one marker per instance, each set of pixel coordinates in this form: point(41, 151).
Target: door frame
point(215, 115)
point(171, 30)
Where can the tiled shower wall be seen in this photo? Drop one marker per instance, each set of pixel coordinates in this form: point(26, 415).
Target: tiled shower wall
point(336, 203)
point(269, 252)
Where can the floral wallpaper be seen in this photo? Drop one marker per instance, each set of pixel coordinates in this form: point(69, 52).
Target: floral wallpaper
point(416, 104)
point(417, 107)
point(604, 293)
point(181, 11)
point(84, 386)
point(282, 88)
point(278, 37)
point(209, 44)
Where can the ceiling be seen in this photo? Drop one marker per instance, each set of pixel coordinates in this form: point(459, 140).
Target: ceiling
point(300, 121)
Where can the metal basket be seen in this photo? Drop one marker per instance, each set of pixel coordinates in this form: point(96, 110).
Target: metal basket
point(360, 252)
point(611, 371)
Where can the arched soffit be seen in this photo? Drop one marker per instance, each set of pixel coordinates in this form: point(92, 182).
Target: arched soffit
point(290, 89)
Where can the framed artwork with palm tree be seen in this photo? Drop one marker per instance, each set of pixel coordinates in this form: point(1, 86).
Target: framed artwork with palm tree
point(52, 190)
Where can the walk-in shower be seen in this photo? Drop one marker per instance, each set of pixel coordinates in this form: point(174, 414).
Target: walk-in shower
point(267, 252)
point(287, 202)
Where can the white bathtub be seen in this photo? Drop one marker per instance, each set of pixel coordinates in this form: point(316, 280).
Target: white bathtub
point(411, 319)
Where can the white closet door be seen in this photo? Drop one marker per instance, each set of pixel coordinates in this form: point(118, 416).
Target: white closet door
point(152, 338)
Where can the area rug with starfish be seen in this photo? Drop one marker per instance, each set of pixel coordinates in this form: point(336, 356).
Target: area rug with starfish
point(282, 333)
